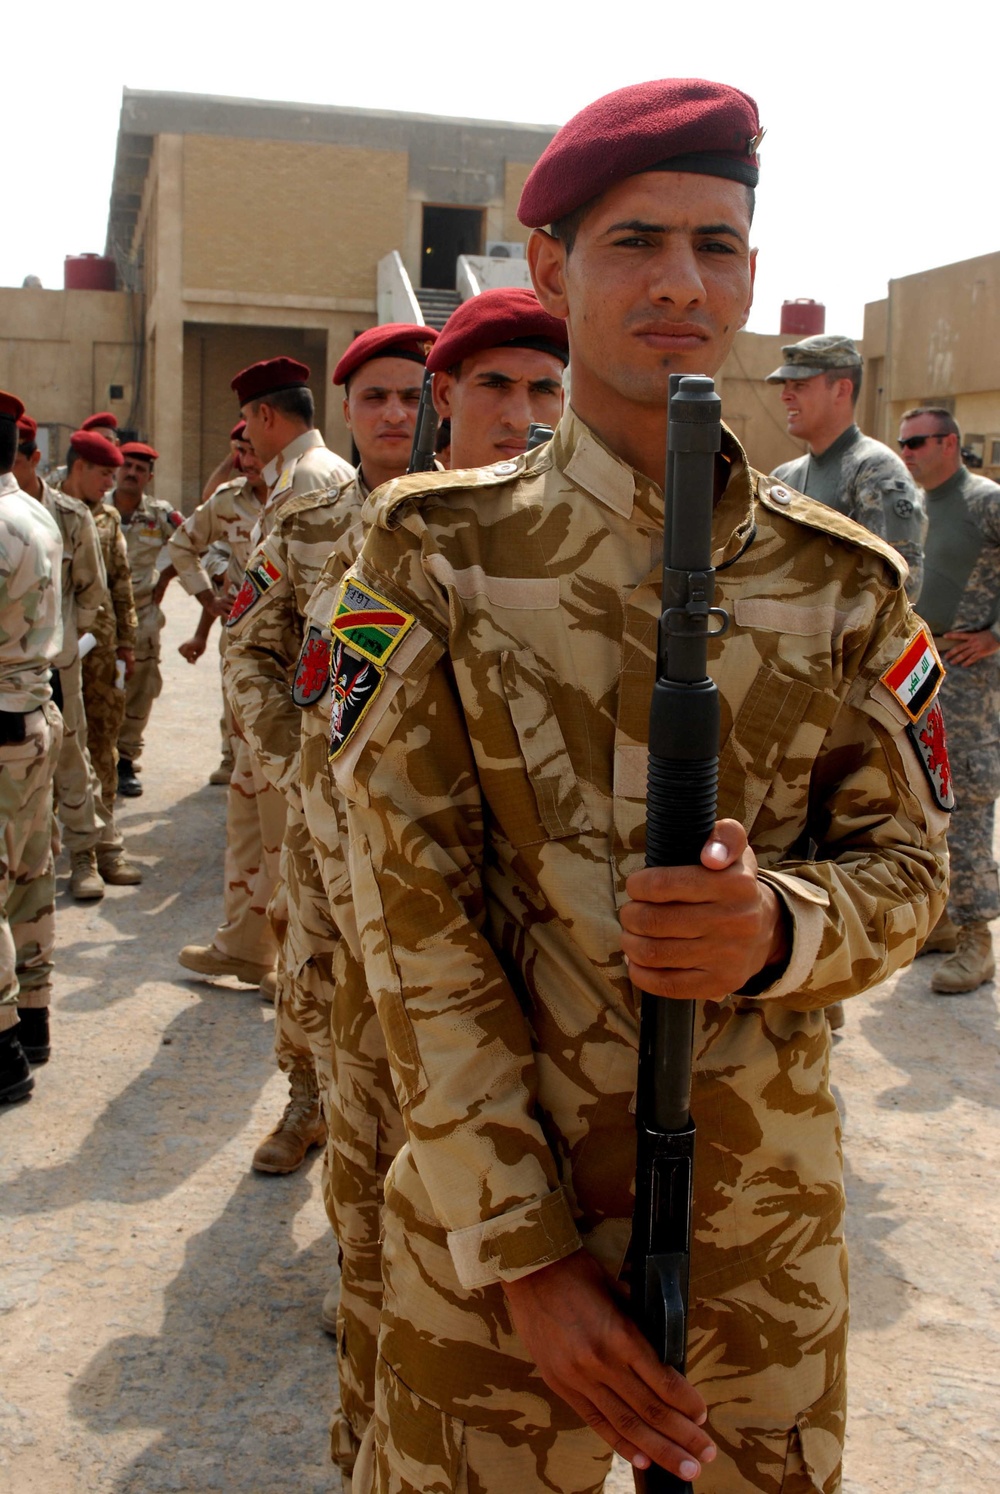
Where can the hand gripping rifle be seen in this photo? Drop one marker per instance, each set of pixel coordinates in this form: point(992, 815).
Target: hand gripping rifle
point(680, 808)
point(424, 430)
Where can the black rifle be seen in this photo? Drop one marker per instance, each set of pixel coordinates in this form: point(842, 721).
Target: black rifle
point(425, 430)
point(538, 435)
point(680, 814)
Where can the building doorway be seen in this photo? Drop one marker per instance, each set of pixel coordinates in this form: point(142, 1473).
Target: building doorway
point(448, 232)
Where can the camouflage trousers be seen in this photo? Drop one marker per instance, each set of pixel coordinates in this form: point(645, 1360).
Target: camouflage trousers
point(27, 874)
point(146, 682)
point(85, 820)
point(300, 918)
point(104, 705)
point(227, 721)
point(458, 1406)
point(970, 699)
point(255, 828)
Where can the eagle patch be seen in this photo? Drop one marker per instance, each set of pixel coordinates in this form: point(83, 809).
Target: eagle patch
point(312, 672)
point(260, 577)
point(355, 682)
point(931, 741)
point(915, 676)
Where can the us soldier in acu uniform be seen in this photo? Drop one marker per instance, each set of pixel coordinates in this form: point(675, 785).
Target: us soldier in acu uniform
point(961, 603)
point(147, 524)
point(858, 476)
point(30, 731)
point(499, 635)
point(84, 588)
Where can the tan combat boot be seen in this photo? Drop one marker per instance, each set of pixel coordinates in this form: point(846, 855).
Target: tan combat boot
point(942, 939)
point(85, 881)
point(971, 965)
point(118, 870)
point(301, 1127)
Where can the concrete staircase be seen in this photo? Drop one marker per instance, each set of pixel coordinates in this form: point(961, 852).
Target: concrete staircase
point(436, 306)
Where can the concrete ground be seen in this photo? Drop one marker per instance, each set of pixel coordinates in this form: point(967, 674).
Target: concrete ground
point(160, 1302)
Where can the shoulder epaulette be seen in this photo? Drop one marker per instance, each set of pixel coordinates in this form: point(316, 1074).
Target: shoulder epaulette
point(779, 498)
point(382, 506)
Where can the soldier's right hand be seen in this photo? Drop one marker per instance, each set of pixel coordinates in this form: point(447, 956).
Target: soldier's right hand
point(212, 604)
point(191, 649)
point(592, 1355)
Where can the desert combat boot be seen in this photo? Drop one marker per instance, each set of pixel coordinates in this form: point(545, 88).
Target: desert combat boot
point(942, 939)
point(302, 1126)
point(970, 966)
point(85, 881)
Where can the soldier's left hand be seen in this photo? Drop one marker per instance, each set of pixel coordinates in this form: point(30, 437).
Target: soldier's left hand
point(701, 932)
point(128, 654)
point(969, 648)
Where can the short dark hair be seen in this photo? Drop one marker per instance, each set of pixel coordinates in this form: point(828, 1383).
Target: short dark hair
point(834, 375)
point(566, 229)
point(297, 403)
point(27, 448)
point(947, 424)
point(8, 444)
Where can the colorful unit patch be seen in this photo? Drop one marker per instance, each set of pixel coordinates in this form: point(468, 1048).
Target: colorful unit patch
point(931, 741)
point(368, 624)
point(312, 672)
point(260, 577)
point(355, 683)
point(915, 676)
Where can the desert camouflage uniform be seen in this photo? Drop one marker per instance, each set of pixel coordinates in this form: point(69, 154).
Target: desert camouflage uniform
point(147, 531)
point(970, 695)
point(30, 642)
point(255, 811)
point(277, 663)
point(862, 478)
point(84, 585)
point(307, 465)
point(490, 737)
point(114, 628)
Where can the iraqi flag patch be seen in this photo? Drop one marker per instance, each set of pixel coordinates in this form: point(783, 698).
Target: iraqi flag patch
point(261, 575)
point(931, 741)
point(915, 676)
point(312, 672)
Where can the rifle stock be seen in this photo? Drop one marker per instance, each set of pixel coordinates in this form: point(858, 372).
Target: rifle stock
point(681, 808)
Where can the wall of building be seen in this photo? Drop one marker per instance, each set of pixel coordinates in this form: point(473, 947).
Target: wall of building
point(751, 408)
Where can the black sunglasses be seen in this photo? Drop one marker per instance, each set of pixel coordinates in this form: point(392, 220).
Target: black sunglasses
point(914, 443)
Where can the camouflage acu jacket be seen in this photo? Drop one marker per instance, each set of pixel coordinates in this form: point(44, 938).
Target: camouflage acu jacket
point(228, 517)
point(116, 622)
point(307, 465)
point(84, 583)
point(493, 659)
point(147, 531)
point(30, 604)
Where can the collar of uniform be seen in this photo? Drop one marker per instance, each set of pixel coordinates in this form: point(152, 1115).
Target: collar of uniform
point(9, 484)
point(589, 465)
point(733, 521)
point(296, 448)
point(836, 449)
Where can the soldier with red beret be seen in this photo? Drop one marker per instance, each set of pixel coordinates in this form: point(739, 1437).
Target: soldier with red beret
point(232, 463)
point(148, 524)
point(495, 649)
point(280, 414)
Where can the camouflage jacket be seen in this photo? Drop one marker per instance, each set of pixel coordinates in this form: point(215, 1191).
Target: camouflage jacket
point(493, 660)
point(963, 555)
point(266, 627)
point(30, 603)
point(873, 488)
point(228, 517)
point(147, 532)
point(83, 581)
point(307, 465)
point(116, 622)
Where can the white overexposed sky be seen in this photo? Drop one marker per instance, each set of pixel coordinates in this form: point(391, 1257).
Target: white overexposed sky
point(879, 161)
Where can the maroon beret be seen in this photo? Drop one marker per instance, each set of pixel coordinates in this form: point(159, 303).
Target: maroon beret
point(239, 431)
point(274, 374)
point(96, 449)
point(10, 406)
point(673, 124)
point(27, 429)
point(104, 420)
point(391, 340)
point(508, 317)
point(139, 449)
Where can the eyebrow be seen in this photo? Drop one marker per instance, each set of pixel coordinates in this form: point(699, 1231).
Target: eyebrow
point(390, 389)
point(704, 230)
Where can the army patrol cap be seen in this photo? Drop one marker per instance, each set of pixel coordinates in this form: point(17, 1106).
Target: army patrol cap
point(390, 340)
point(97, 450)
point(11, 407)
point(672, 124)
point(141, 450)
point(103, 420)
point(269, 377)
point(508, 317)
point(816, 355)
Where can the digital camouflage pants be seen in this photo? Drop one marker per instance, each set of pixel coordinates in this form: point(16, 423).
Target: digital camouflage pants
point(85, 820)
point(104, 705)
point(145, 684)
point(458, 1406)
point(970, 699)
point(27, 875)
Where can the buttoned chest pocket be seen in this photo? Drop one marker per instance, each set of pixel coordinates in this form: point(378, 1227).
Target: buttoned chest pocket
point(535, 794)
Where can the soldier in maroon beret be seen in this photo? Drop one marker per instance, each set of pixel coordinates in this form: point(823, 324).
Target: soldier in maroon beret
point(498, 368)
point(381, 373)
point(278, 408)
point(103, 424)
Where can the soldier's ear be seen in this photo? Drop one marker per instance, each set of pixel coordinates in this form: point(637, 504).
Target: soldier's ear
point(547, 263)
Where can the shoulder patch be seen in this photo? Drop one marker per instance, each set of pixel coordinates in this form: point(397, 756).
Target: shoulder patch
point(915, 677)
point(312, 671)
point(369, 625)
point(260, 576)
point(931, 741)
